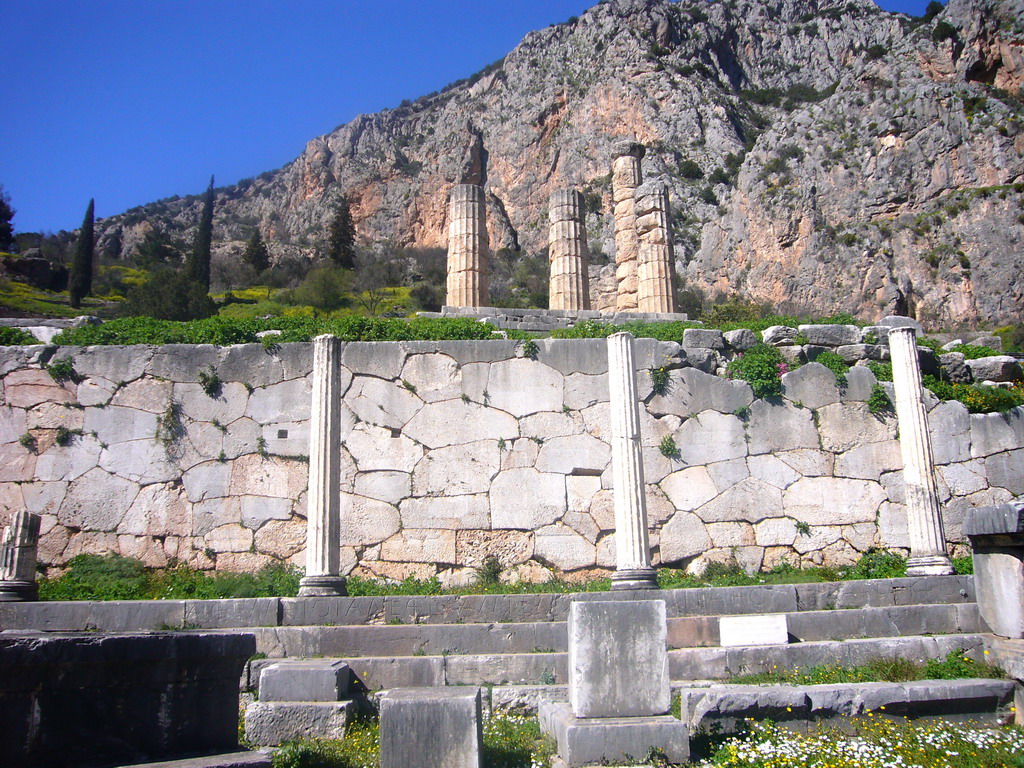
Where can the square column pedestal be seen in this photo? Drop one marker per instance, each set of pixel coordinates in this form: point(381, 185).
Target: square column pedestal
point(618, 687)
point(996, 534)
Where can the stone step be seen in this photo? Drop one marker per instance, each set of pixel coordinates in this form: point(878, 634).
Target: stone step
point(723, 706)
point(706, 703)
point(139, 615)
point(685, 664)
point(532, 637)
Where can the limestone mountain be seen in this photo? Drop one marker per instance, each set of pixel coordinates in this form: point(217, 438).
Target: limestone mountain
point(822, 156)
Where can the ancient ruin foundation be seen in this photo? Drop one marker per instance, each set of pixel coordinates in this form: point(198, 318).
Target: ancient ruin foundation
point(467, 247)
point(567, 252)
point(625, 179)
point(654, 264)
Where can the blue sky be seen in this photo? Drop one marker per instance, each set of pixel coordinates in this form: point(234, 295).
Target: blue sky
point(129, 101)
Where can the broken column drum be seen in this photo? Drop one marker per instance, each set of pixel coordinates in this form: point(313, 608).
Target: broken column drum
point(654, 263)
point(568, 286)
point(626, 177)
point(323, 521)
point(632, 547)
point(928, 555)
point(467, 247)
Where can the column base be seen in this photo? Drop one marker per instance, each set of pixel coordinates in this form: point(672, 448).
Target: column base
point(322, 586)
point(18, 592)
point(634, 578)
point(929, 565)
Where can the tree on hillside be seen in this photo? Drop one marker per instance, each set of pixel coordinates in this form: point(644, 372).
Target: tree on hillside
point(156, 248)
point(198, 263)
point(80, 280)
point(169, 295)
point(6, 228)
point(257, 255)
point(341, 243)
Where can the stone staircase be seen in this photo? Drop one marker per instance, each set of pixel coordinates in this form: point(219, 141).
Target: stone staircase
point(520, 640)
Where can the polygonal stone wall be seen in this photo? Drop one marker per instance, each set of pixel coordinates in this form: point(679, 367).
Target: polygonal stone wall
point(454, 451)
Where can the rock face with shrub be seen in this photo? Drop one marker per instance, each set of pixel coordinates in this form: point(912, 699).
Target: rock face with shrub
point(819, 155)
point(458, 451)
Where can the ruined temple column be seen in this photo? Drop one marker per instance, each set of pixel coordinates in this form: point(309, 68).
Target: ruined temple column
point(924, 520)
point(626, 178)
point(18, 558)
point(323, 520)
point(632, 548)
point(654, 265)
point(567, 251)
point(467, 247)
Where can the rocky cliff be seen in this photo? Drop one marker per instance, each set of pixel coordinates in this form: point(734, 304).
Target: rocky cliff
point(821, 156)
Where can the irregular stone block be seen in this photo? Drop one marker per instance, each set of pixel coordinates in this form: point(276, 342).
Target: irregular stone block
point(997, 368)
point(813, 385)
point(830, 335)
point(1006, 470)
point(955, 367)
point(833, 501)
point(617, 658)
point(701, 338)
point(740, 339)
point(305, 680)
point(453, 422)
point(274, 722)
point(778, 335)
point(766, 629)
point(711, 437)
point(434, 728)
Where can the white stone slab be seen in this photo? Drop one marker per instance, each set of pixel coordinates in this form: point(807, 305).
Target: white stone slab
point(763, 629)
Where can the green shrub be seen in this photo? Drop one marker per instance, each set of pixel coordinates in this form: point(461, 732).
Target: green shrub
point(975, 351)
point(956, 666)
point(688, 169)
point(13, 337)
point(977, 397)
point(169, 296)
point(668, 448)
point(836, 364)
point(963, 566)
point(661, 380)
point(943, 31)
point(761, 367)
point(882, 371)
point(878, 564)
point(879, 401)
point(98, 577)
point(63, 370)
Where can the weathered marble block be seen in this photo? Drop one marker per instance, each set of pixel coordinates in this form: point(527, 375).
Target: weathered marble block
point(997, 538)
point(431, 728)
point(618, 659)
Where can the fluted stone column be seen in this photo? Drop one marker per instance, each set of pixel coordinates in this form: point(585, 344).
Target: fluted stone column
point(924, 520)
point(654, 264)
point(568, 283)
point(626, 177)
point(632, 548)
point(467, 247)
point(18, 558)
point(323, 520)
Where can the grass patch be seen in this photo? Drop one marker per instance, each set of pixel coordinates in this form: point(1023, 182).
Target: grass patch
point(888, 669)
point(113, 577)
point(875, 741)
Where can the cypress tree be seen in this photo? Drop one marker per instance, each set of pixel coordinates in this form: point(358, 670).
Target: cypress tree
point(198, 263)
point(80, 280)
point(256, 253)
point(6, 229)
point(341, 244)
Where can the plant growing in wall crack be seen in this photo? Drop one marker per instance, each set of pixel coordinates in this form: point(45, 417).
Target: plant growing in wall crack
point(879, 402)
point(63, 370)
point(669, 449)
point(210, 382)
point(661, 382)
point(530, 349)
point(168, 425)
point(836, 364)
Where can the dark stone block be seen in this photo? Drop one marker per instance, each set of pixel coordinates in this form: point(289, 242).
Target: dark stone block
point(74, 700)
